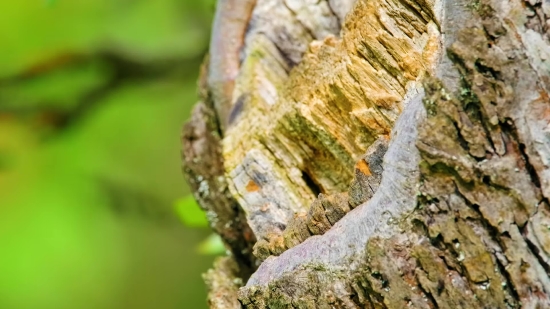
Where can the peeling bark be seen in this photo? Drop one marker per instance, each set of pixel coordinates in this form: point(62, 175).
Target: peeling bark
point(455, 215)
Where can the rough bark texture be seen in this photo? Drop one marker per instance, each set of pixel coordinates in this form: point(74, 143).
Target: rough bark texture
point(203, 168)
point(455, 215)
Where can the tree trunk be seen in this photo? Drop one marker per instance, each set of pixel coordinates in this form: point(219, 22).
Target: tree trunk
point(378, 154)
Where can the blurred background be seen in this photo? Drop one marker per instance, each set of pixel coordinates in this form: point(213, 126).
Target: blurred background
point(94, 210)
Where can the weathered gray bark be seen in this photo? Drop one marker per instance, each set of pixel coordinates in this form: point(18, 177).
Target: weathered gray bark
point(456, 215)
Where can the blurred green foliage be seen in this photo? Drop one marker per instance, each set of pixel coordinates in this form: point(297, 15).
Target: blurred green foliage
point(93, 94)
point(190, 213)
point(212, 245)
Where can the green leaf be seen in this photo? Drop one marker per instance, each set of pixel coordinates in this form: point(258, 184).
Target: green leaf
point(190, 213)
point(212, 245)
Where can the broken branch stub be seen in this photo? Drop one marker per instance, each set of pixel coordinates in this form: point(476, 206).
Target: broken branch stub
point(308, 115)
point(454, 215)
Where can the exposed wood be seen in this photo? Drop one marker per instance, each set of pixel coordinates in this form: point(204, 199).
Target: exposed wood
point(301, 133)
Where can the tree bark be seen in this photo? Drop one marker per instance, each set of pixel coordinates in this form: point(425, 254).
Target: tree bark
point(381, 154)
